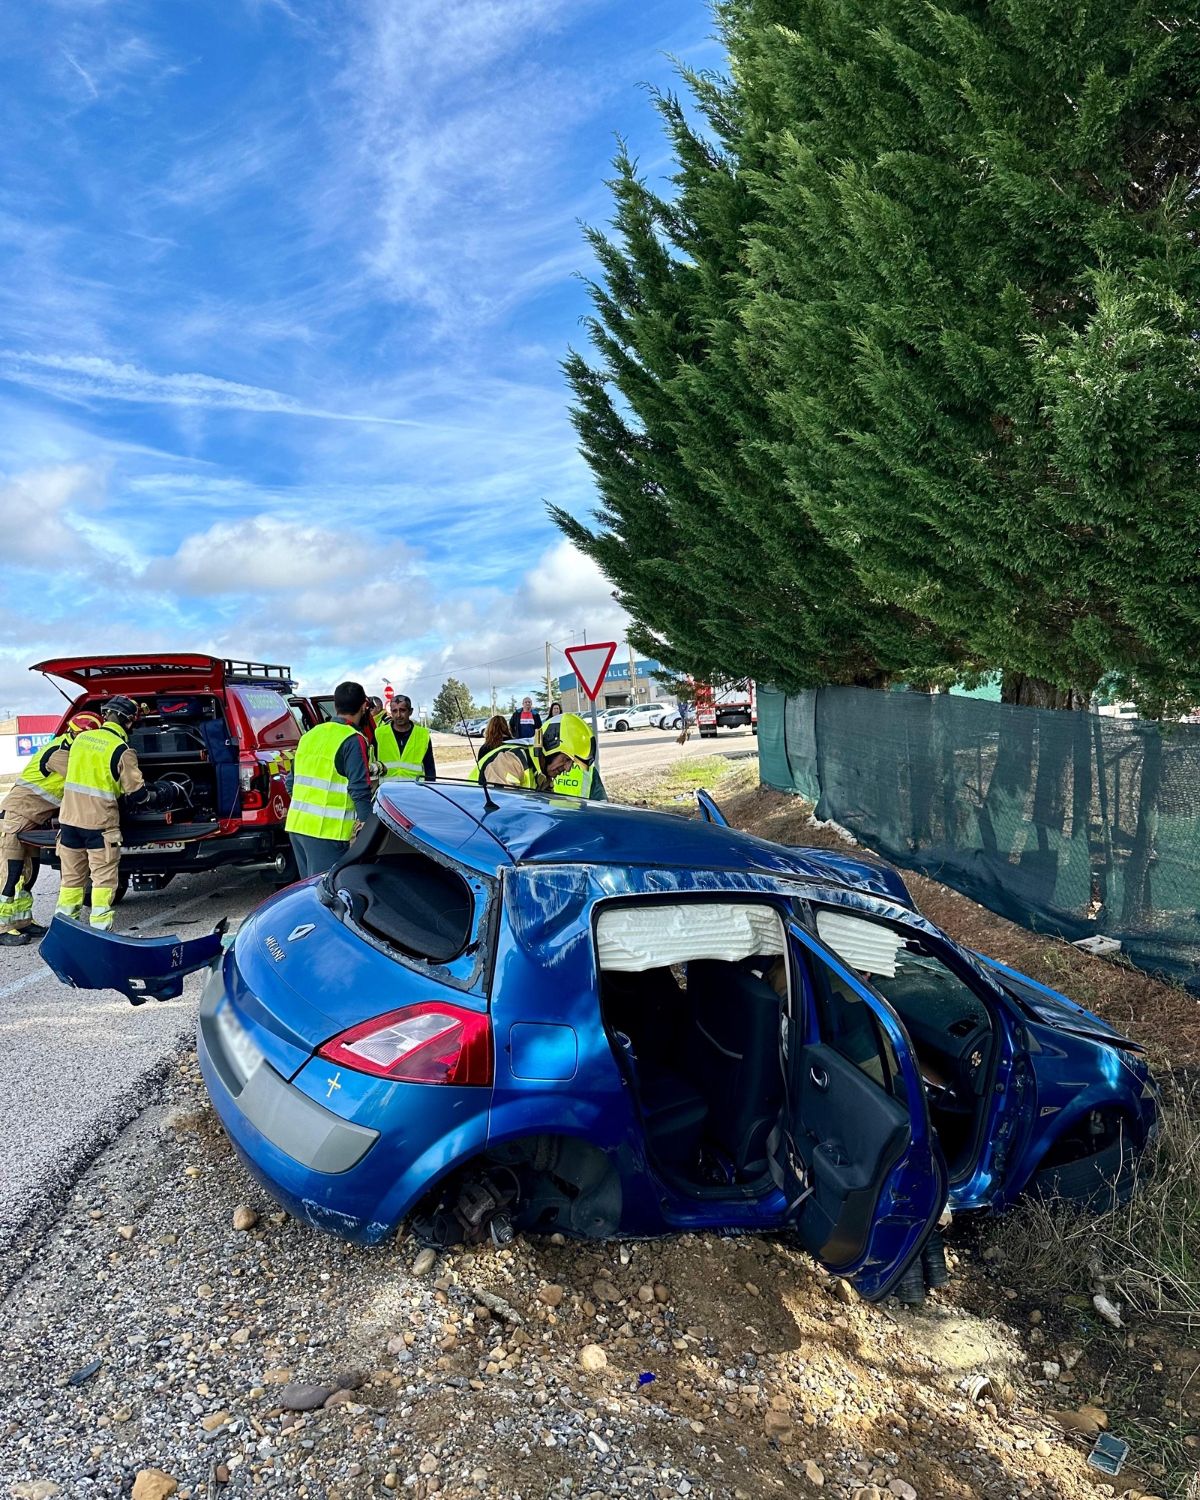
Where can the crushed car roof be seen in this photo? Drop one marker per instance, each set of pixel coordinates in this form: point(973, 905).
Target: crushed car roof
point(529, 828)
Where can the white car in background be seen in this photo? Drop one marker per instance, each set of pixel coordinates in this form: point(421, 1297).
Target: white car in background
point(643, 716)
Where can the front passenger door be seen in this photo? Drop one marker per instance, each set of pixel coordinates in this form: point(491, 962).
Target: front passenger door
point(861, 1162)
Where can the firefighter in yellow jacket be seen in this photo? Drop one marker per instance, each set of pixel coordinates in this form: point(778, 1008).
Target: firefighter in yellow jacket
point(31, 804)
point(103, 776)
point(563, 761)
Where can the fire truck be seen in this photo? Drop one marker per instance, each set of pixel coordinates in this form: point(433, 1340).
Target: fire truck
point(726, 705)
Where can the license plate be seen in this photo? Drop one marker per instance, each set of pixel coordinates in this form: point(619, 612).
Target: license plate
point(240, 1046)
point(177, 848)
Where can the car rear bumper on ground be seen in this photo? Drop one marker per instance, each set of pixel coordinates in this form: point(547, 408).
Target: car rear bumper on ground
point(354, 1180)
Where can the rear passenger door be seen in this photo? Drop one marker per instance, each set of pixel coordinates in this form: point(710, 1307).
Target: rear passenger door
point(859, 1159)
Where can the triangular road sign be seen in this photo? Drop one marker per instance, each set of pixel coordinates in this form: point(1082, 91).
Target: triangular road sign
point(591, 663)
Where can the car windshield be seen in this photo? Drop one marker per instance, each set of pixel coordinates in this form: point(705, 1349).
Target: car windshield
point(423, 910)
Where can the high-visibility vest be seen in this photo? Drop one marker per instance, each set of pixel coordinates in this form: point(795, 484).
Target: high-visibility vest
point(529, 777)
point(41, 782)
point(322, 807)
point(408, 762)
point(92, 764)
point(575, 781)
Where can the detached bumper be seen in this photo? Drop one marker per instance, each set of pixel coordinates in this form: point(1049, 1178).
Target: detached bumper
point(141, 968)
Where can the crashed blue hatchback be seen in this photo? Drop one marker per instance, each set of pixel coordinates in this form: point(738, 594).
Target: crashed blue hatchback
point(507, 1011)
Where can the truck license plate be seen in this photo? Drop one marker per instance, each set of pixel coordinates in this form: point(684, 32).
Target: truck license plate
point(176, 848)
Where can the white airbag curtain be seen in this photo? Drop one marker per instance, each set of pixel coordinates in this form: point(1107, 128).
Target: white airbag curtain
point(631, 939)
point(865, 946)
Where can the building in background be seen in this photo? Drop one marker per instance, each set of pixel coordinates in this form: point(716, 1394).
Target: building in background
point(21, 736)
point(615, 691)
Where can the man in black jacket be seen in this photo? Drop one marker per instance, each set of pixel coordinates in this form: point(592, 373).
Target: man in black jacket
point(525, 722)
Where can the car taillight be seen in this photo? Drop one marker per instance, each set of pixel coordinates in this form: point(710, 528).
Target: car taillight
point(430, 1043)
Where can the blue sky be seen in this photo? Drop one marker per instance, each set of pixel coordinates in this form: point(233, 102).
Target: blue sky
point(284, 288)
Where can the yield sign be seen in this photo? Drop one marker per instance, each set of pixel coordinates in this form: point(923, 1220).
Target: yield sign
point(590, 664)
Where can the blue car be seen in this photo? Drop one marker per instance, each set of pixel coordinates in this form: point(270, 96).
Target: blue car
point(506, 1011)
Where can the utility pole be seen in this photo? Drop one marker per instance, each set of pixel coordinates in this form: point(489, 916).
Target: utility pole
point(549, 689)
point(632, 677)
point(492, 689)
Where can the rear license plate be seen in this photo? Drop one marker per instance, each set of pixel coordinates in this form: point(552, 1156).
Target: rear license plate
point(238, 1043)
point(176, 848)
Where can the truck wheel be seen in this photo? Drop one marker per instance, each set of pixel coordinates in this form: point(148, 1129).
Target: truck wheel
point(285, 869)
point(708, 734)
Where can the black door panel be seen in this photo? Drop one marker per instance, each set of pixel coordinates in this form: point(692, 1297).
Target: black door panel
point(851, 1134)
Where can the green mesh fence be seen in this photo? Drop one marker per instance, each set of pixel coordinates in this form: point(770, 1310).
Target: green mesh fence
point(1066, 822)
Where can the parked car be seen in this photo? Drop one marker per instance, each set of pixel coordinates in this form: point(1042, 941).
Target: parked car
point(637, 716)
point(479, 1020)
point(675, 718)
point(224, 730)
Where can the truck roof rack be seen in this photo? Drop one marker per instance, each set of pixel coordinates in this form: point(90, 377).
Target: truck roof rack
point(258, 671)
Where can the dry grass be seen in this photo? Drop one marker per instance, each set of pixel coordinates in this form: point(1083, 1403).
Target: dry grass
point(1146, 1253)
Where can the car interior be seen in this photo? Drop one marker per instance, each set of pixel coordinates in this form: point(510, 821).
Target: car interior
point(692, 999)
point(948, 1024)
point(409, 901)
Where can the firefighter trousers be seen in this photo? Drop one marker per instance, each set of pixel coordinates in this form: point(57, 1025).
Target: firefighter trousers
point(83, 854)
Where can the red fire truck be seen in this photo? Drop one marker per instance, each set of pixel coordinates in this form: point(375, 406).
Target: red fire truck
point(725, 705)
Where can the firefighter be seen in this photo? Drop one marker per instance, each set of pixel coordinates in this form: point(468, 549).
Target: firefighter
point(564, 762)
point(330, 784)
point(31, 804)
point(404, 749)
point(103, 778)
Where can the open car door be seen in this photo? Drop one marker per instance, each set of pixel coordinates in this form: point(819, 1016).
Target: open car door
point(860, 1162)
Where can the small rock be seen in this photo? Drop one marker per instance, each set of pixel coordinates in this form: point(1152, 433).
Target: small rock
point(424, 1262)
point(221, 1473)
point(778, 1426)
point(245, 1217)
point(279, 1376)
point(645, 1294)
point(592, 1358)
point(126, 1231)
point(240, 1336)
point(993, 1253)
point(304, 1397)
point(605, 1291)
point(551, 1295)
point(154, 1484)
point(660, 1292)
point(868, 1492)
point(34, 1489)
point(1088, 1420)
point(1042, 1448)
point(339, 1398)
point(902, 1489)
point(217, 1419)
point(1035, 1318)
point(813, 1473)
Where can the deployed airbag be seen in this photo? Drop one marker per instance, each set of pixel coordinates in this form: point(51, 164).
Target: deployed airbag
point(868, 947)
point(632, 939)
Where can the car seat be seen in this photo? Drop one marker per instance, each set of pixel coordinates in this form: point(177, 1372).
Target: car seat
point(734, 1061)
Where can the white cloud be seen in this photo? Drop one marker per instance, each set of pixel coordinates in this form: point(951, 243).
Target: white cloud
point(38, 519)
point(269, 554)
point(84, 377)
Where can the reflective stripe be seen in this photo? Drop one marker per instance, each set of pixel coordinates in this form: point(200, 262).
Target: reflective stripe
point(319, 809)
point(91, 791)
point(44, 792)
point(322, 783)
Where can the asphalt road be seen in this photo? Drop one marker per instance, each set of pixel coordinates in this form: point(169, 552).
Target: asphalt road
point(76, 1065)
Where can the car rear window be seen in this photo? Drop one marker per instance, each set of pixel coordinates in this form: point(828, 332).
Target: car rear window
point(425, 911)
point(271, 720)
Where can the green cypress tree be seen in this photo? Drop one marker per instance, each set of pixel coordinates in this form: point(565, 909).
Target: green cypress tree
point(972, 287)
point(722, 571)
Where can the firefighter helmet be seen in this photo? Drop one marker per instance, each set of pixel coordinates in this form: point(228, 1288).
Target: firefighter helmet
point(569, 735)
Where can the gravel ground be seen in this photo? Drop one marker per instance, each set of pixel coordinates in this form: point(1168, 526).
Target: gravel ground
point(190, 1343)
point(78, 1064)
